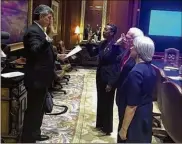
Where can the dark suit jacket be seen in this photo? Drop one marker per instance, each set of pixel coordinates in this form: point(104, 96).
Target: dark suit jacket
point(39, 68)
point(85, 34)
point(109, 64)
point(123, 75)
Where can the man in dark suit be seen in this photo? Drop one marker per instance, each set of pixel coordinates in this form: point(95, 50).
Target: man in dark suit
point(86, 32)
point(39, 71)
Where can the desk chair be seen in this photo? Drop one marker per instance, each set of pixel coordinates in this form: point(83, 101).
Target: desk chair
point(158, 93)
point(171, 111)
point(57, 82)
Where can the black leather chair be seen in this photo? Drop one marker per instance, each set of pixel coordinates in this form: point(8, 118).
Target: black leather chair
point(172, 111)
point(158, 93)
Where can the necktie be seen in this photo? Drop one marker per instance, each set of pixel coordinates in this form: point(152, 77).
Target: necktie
point(125, 59)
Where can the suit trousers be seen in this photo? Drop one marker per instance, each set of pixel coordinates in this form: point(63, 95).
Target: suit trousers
point(105, 101)
point(34, 114)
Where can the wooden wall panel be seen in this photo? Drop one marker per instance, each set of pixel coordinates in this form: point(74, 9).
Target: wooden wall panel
point(38, 2)
point(64, 23)
point(69, 17)
point(58, 36)
point(75, 20)
point(118, 15)
point(123, 13)
point(93, 10)
point(136, 12)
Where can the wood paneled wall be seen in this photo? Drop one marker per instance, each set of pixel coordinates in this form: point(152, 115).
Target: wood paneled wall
point(69, 18)
point(93, 12)
point(123, 13)
point(38, 2)
point(75, 16)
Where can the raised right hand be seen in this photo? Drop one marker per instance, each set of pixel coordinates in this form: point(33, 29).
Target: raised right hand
point(121, 39)
point(91, 37)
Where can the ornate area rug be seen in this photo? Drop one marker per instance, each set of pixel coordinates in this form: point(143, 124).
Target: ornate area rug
point(85, 132)
point(77, 125)
point(61, 128)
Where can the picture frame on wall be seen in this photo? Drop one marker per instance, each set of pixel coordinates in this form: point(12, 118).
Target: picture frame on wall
point(84, 16)
point(16, 16)
point(55, 7)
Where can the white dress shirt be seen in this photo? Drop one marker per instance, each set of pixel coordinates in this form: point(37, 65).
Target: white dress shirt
point(47, 37)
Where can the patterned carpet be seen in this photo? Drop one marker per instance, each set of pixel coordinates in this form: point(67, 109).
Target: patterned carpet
point(61, 128)
point(77, 125)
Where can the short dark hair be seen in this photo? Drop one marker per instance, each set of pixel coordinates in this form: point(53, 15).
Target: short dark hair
point(41, 9)
point(36, 17)
point(113, 28)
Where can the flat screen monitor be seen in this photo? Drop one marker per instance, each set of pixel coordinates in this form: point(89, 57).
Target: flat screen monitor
point(165, 23)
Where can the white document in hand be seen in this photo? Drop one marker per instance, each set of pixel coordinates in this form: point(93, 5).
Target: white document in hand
point(176, 78)
point(3, 54)
point(74, 51)
point(12, 74)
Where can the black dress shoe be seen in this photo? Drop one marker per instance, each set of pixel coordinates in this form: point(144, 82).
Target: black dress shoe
point(108, 134)
point(99, 128)
point(42, 137)
point(104, 134)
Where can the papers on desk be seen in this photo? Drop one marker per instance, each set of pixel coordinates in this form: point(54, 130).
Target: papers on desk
point(12, 74)
point(179, 78)
point(168, 68)
point(74, 51)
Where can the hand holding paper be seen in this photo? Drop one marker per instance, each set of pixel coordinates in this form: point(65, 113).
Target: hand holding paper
point(61, 56)
point(74, 51)
point(179, 78)
point(3, 54)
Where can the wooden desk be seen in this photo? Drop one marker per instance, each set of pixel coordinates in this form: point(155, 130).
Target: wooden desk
point(13, 106)
point(160, 64)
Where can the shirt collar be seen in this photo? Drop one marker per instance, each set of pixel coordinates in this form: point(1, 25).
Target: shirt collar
point(39, 26)
point(43, 29)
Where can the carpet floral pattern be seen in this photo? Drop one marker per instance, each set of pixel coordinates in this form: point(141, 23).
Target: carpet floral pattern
point(77, 125)
point(61, 128)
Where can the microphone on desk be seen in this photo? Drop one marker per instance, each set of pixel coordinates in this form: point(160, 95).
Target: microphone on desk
point(5, 35)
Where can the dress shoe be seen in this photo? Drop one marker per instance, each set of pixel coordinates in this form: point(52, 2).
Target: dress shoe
point(42, 137)
point(98, 128)
point(105, 134)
